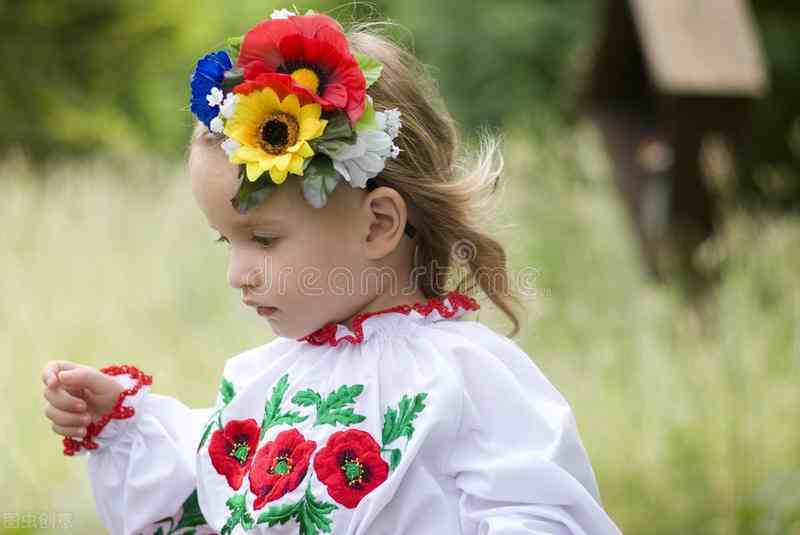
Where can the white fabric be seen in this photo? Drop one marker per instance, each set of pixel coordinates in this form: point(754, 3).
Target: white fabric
point(494, 451)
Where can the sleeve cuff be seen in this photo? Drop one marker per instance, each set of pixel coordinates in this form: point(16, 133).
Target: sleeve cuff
point(102, 432)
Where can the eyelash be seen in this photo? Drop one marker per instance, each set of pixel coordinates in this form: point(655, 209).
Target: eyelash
point(258, 239)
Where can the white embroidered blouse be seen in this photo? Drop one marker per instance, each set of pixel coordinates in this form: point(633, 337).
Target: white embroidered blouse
point(413, 423)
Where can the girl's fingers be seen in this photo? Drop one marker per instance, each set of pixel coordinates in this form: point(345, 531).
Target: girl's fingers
point(67, 419)
point(75, 432)
point(51, 369)
point(61, 399)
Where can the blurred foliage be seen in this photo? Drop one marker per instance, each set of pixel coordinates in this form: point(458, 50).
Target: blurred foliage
point(686, 414)
point(100, 75)
point(772, 176)
point(83, 76)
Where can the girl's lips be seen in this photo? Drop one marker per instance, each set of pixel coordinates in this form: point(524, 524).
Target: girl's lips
point(265, 311)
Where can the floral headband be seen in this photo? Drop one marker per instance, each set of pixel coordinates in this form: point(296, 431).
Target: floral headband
point(294, 103)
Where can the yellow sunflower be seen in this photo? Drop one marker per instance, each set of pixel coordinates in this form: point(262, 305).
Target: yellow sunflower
point(273, 134)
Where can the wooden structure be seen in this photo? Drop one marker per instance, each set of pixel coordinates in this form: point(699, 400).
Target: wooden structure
point(665, 75)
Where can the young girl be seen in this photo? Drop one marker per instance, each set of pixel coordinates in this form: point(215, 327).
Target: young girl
point(327, 164)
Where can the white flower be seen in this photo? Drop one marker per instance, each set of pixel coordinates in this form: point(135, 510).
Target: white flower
point(227, 107)
point(230, 146)
point(216, 125)
point(361, 160)
point(215, 97)
point(282, 14)
point(389, 121)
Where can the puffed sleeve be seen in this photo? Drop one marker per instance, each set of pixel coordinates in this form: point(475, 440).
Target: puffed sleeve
point(517, 459)
point(141, 455)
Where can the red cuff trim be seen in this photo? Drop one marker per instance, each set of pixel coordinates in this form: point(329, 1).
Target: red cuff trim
point(72, 446)
point(326, 335)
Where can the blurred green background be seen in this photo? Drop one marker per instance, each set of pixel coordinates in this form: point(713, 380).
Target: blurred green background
point(686, 411)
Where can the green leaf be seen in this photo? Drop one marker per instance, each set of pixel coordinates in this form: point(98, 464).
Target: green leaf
point(395, 458)
point(332, 409)
point(214, 418)
point(192, 515)
point(370, 66)
point(389, 424)
point(251, 193)
point(234, 44)
point(338, 127)
point(279, 514)
point(159, 531)
point(231, 78)
point(314, 514)
point(272, 410)
point(310, 513)
point(396, 425)
point(367, 120)
point(306, 398)
point(319, 180)
point(226, 390)
point(239, 515)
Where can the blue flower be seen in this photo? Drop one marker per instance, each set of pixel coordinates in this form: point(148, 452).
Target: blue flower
point(208, 74)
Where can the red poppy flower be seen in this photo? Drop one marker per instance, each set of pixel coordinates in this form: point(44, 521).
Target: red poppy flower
point(232, 448)
point(310, 53)
point(280, 466)
point(281, 86)
point(351, 466)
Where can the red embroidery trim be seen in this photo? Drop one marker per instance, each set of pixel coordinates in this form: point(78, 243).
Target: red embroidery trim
point(72, 446)
point(326, 335)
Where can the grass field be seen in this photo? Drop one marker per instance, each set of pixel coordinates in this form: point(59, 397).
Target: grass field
point(690, 417)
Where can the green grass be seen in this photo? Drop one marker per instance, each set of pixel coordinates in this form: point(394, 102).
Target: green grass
point(690, 417)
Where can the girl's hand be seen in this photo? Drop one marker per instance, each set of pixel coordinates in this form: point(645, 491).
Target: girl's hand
point(77, 395)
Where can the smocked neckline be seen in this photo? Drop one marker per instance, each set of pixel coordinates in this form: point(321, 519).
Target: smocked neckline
point(452, 305)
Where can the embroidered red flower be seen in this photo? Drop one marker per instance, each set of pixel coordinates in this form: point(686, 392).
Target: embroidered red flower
point(351, 466)
point(310, 53)
point(232, 448)
point(280, 466)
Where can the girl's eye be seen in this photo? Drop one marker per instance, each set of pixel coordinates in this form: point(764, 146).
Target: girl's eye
point(264, 240)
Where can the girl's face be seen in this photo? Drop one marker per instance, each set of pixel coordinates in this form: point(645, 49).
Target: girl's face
point(304, 261)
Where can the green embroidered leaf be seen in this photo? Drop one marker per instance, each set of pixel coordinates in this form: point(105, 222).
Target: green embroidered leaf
point(226, 390)
point(159, 531)
point(272, 410)
point(370, 66)
point(306, 398)
point(192, 516)
point(310, 513)
point(332, 409)
point(239, 514)
point(317, 512)
point(398, 423)
point(279, 514)
point(395, 459)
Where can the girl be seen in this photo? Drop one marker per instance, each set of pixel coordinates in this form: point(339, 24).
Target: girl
point(326, 163)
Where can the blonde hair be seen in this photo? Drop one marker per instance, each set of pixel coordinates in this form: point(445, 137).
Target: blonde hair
point(449, 190)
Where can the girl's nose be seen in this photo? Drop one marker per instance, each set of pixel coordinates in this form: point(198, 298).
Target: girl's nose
point(245, 270)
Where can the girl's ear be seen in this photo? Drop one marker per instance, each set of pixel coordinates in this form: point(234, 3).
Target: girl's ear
point(387, 215)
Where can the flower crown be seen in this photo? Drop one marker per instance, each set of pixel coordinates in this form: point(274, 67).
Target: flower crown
point(295, 102)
